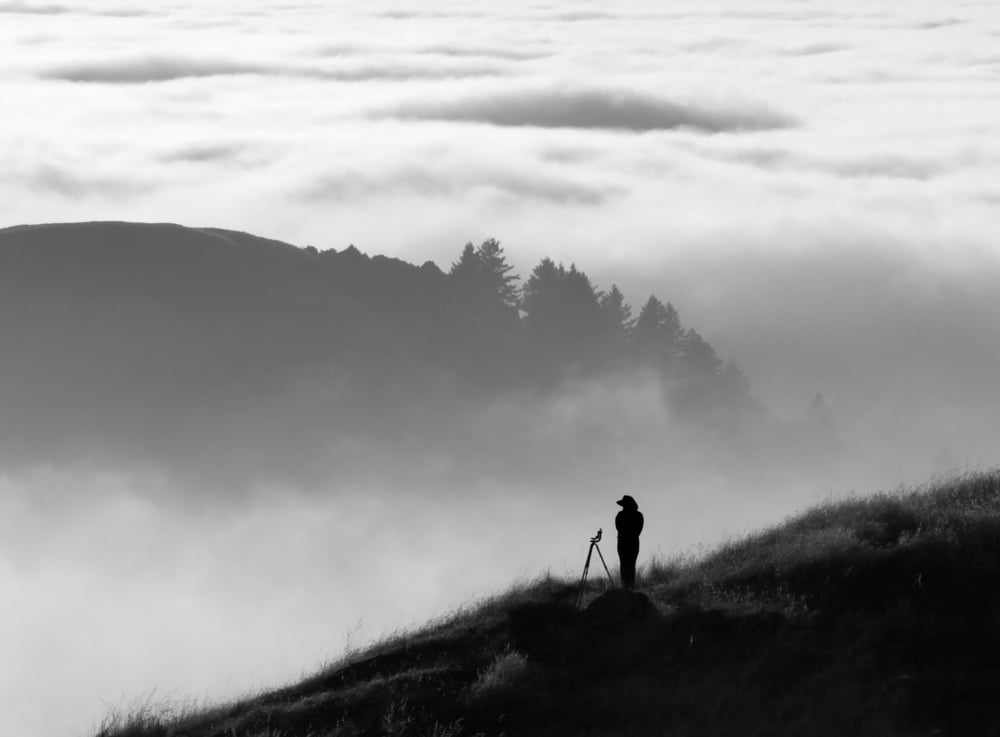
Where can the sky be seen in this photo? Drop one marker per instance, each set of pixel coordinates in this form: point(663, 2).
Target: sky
point(812, 184)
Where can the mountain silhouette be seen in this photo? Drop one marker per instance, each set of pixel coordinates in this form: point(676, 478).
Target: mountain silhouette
point(210, 348)
point(130, 334)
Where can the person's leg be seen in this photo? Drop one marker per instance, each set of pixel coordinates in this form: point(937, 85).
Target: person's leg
point(627, 555)
point(622, 562)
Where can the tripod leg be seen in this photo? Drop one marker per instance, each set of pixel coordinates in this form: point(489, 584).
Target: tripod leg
point(605, 567)
point(583, 580)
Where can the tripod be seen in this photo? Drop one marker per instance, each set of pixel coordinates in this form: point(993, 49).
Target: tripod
point(586, 567)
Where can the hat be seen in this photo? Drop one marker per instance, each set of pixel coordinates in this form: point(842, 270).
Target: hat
point(627, 502)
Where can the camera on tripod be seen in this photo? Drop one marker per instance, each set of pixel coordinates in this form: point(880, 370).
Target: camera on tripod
point(586, 567)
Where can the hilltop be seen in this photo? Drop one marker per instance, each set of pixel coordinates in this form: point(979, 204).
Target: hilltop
point(224, 353)
point(196, 307)
point(872, 616)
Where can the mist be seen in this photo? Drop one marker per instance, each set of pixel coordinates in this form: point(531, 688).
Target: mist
point(813, 187)
point(193, 551)
point(163, 583)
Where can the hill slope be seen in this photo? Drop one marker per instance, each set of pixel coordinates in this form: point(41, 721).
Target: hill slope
point(876, 616)
point(216, 351)
point(141, 340)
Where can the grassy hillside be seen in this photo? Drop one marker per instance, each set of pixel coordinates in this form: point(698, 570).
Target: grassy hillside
point(875, 616)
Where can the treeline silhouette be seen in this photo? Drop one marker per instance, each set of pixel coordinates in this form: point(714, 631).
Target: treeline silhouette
point(159, 339)
point(558, 324)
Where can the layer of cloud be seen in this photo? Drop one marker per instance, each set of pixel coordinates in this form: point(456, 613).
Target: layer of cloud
point(209, 152)
point(579, 15)
point(873, 164)
point(500, 52)
point(594, 108)
point(815, 49)
point(429, 14)
point(22, 8)
point(153, 69)
point(449, 182)
point(404, 70)
point(166, 68)
point(931, 25)
point(62, 181)
point(851, 253)
point(32, 9)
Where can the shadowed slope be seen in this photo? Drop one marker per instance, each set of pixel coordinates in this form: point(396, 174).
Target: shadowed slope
point(869, 617)
point(239, 357)
point(141, 340)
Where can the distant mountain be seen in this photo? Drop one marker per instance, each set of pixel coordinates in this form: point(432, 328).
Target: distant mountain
point(165, 343)
point(116, 328)
point(136, 308)
point(867, 617)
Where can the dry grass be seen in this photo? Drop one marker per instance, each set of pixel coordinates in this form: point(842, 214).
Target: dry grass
point(505, 671)
point(863, 616)
point(758, 571)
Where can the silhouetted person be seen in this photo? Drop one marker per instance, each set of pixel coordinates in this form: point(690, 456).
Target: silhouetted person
point(628, 522)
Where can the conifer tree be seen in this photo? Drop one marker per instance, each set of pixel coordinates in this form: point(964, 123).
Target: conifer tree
point(541, 295)
point(496, 274)
point(616, 313)
point(561, 301)
point(485, 271)
point(699, 361)
point(734, 386)
point(581, 309)
point(468, 268)
point(657, 334)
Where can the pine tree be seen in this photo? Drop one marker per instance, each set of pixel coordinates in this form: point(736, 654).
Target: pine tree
point(657, 334)
point(616, 313)
point(496, 276)
point(699, 361)
point(734, 386)
point(469, 267)
point(485, 271)
point(581, 309)
point(541, 295)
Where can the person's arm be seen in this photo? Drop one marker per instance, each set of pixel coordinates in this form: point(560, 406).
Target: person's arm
point(638, 524)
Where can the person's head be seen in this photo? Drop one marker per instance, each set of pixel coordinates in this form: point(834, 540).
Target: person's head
point(627, 502)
